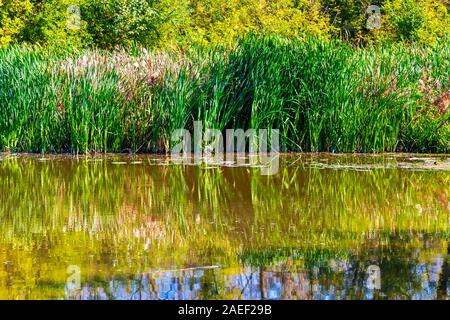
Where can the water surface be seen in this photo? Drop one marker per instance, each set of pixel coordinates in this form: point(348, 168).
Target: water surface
point(142, 227)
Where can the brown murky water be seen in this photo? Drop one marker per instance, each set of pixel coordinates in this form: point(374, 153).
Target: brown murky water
point(141, 227)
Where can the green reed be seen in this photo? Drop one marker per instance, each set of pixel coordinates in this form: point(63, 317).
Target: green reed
point(321, 95)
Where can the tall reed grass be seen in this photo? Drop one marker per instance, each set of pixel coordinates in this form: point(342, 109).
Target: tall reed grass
point(322, 96)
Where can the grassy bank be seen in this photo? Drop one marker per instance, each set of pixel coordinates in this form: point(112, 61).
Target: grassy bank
point(322, 95)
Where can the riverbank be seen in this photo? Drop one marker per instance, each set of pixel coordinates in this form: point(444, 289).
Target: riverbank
point(322, 96)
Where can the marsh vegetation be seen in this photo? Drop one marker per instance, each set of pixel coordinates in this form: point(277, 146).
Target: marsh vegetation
point(322, 95)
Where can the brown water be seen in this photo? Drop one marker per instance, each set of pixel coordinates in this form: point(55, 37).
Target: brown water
point(141, 227)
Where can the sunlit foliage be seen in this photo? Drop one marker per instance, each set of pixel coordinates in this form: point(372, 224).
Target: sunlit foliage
point(13, 18)
point(175, 23)
point(323, 95)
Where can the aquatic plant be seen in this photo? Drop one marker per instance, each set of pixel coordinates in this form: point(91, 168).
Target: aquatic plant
point(322, 95)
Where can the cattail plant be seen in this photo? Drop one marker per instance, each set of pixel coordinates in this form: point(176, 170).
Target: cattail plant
point(322, 95)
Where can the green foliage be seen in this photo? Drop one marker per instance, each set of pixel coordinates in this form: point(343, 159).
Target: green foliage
point(223, 22)
point(174, 23)
point(322, 95)
point(50, 26)
point(218, 22)
point(423, 21)
point(121, 22)
point(13, 18)
point(348, 18)
point(102, 23)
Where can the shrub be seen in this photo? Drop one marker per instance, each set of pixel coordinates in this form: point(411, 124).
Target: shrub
point(13, 18)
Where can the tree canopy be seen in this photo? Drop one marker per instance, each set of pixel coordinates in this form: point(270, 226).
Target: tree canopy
point(159, 23)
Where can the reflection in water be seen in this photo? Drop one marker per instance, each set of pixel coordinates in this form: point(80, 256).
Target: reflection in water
point(258, 283)
point(139, 227)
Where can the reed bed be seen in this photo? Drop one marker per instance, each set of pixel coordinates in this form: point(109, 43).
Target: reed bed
point(322, 95)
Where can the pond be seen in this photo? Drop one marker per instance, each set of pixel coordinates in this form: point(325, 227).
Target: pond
point(143, 227)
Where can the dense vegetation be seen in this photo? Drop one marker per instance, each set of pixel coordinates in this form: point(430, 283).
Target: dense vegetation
point(77, 79)
point(108, 23)
point(323, 95)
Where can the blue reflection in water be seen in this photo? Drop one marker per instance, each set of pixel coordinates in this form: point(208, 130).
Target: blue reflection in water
point(324, 283)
